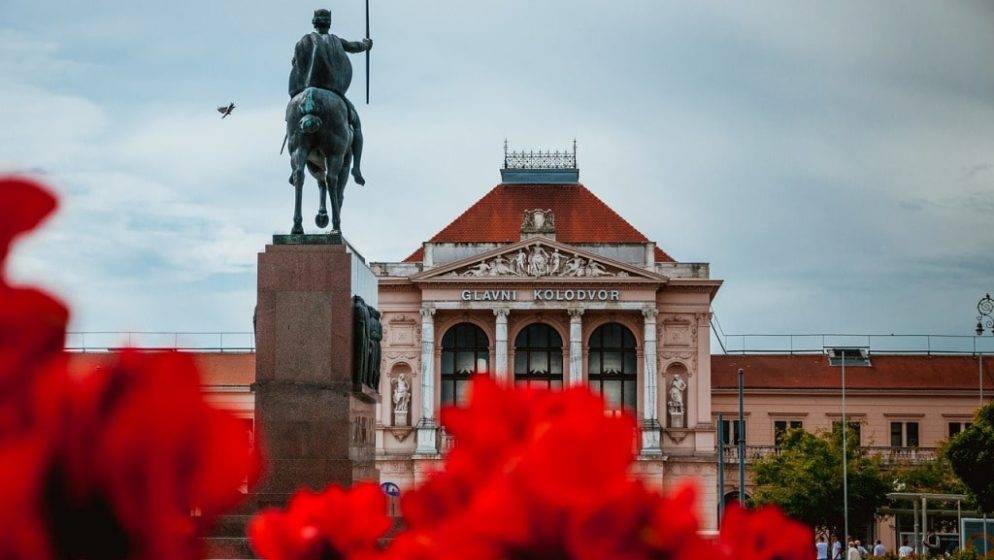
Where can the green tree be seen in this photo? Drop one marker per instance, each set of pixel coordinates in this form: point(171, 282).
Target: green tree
point(805, 480)
point(971, 454)
point(934, 477)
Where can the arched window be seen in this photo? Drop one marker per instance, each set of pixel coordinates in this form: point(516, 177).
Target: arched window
point(464, 353)
point(612, 367)
point(538, 357)
point(733, 498)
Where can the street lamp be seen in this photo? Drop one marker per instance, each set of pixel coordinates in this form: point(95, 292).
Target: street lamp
point(842, 356)
point(985, 321)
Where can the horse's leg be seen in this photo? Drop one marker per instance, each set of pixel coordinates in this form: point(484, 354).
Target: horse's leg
point(298, 161)
point(336, 166)
point(340, 182)
point(321, 220)
point(320, 174)
point(356, 148)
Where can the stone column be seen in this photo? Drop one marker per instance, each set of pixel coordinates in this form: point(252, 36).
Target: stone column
point(575, 346)
point(650, 421)
point(427, 427)
point(500, 346)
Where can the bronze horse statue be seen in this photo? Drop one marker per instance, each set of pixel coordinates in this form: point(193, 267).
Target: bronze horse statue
point(319, 138)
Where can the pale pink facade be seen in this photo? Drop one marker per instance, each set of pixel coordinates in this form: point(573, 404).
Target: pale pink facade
point(668, 317)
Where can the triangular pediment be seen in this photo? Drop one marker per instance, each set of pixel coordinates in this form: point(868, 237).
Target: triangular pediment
point(538, 258)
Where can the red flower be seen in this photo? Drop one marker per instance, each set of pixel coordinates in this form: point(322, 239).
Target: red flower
point(145, 450)
point(763, 534)
point(529, 472)
point(29, 435)
point(333, 525)
point(32, 385)
point(639, 523)
point(32, 324)
point(25, 205)
point(110, 464)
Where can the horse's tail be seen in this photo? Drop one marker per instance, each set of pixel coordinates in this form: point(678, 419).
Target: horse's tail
point(309, 123)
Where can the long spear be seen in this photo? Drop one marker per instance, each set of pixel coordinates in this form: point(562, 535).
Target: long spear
point(367, 53)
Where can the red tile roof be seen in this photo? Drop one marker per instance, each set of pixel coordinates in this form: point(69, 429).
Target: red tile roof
point(581, 217)
point(761, 371)
point(885, 372)
point(216, 368)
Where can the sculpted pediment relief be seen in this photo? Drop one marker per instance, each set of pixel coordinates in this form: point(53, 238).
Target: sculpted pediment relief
point(539, 259)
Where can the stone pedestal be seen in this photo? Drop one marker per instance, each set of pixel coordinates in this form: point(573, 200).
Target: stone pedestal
point(316, 424)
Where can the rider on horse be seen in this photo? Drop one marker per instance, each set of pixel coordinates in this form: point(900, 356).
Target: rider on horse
point(320, 60)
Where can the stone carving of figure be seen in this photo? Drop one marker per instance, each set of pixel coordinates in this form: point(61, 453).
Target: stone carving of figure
point(401, 400)
point(501, 266)
point(595, 269)
point(676, 401)
point(538, 262)
point(481, 269)
point(361, 319)
point(375, 352)
point(575, 266)
point(556, 262)
point(521, 262)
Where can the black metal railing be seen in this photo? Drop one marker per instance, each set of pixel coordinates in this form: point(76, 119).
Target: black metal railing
point(876, 343)
point(888, 455)
point(539, 159)
point(190, 341)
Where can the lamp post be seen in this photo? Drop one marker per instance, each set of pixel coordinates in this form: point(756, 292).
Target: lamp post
point(843, 356)
point(845, 458)
point(742, 441)
point(985, 321)
point(721, 467)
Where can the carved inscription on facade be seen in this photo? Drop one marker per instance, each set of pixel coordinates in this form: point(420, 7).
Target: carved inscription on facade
point(542, 294)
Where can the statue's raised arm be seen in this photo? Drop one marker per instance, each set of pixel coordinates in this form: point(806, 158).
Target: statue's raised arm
point(357, 46)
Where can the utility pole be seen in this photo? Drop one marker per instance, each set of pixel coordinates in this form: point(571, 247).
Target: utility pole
point(742, 440)
point(721, 467)
point(845, 458)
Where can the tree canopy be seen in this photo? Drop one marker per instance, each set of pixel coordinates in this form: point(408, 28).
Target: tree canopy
point(971, 453)
point(805, 480)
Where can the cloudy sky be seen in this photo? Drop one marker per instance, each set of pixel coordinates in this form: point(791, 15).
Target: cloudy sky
point(834, 162)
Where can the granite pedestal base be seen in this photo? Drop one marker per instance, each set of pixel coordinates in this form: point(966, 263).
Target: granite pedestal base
point(317, 426)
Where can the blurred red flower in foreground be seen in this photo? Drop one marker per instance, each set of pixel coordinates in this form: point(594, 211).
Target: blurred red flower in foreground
point(110, 463)
point(532, 474)
point(765, 533)
point(334, 523)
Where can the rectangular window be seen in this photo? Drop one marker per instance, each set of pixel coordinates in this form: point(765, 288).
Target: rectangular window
point(911, 434)
point(780, 427)
point(730, 431)
point(854, 426)
point(956, 427)
point(904, 434)
point(896, 438)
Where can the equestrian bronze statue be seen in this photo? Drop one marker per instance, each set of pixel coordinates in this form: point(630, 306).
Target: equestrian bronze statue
point(322, 127)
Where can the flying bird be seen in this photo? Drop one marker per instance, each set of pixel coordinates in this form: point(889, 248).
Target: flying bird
point(225, 111)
